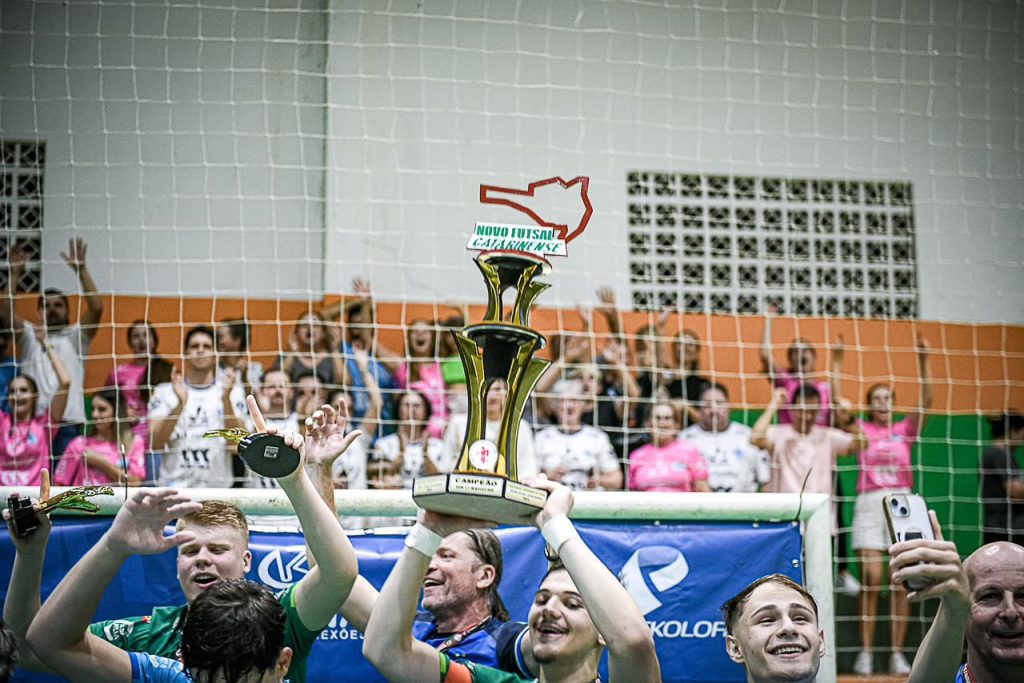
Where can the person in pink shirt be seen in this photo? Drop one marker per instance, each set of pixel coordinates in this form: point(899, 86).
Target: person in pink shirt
point(801, 358)
point(667, 464)
point(885, 468)
point(145, 370)
point(421, 371)
point(24, 436)
point(804, 451)
point(96, 459)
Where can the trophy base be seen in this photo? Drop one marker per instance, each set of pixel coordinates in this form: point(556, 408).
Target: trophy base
point(268, 456)
point(483, 496)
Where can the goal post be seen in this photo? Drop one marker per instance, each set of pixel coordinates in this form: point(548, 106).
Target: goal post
point(812, 511)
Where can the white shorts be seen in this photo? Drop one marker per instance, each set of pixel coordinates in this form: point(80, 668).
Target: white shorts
point(870, 531)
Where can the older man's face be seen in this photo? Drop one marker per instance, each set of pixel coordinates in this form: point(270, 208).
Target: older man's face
point(996, 627)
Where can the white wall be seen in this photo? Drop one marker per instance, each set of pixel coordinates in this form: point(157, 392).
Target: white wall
point(429, 100)
point(202, 149)
point(185, 143)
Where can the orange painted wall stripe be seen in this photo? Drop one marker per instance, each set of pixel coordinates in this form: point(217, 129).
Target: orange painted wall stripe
point(975, 367)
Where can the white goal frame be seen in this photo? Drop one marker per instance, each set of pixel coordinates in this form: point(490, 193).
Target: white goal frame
point(813, 511)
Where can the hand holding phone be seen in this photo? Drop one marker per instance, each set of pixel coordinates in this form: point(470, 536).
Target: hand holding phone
point(907, 517)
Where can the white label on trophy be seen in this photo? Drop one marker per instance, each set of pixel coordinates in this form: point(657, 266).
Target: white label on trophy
point(526, 494)
point(271, 452)
point(428, 486)
point(483, 455)
point(531, 239)
point(476, 485)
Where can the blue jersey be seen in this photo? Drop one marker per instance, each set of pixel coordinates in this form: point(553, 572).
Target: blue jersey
point(153, 669)
point(495, 644)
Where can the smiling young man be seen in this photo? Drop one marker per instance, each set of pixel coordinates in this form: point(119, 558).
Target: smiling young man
point(772, 631)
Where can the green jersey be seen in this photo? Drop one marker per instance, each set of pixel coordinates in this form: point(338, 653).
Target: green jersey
point(469, 672)
point(160, 634)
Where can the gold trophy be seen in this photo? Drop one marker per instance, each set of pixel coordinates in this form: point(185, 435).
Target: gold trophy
point(485, 482)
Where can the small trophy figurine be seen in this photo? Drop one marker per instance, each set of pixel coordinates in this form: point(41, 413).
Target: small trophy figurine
point(264, 454)
point(485, 483)
point(23, 517)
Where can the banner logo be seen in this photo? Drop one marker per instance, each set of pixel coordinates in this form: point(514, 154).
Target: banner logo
point(277, 572)
point(671, 570)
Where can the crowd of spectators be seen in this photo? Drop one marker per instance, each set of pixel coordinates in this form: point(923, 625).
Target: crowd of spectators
point(617, 409)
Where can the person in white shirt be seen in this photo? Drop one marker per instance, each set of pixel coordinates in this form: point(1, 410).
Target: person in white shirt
point(71, 342)
point(575, 454)
point(734, 465)
point(188, 406)
point(526, 462)
point(409, 453)
point(233, 352)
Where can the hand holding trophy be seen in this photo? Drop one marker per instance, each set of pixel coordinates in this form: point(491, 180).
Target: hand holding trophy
point(485, 483)
point(24, 515)
point(265, 452)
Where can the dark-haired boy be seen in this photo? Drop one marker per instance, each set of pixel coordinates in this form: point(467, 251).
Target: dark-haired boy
point(772, 631)
point(803, 452)
point(188, 406)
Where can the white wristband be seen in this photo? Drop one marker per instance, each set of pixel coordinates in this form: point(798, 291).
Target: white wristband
point(557, 530)
point(423, 540)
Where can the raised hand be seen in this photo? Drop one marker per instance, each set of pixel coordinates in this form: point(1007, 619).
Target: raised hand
point(230, 377)
point(446, 525)
point(361, 355)
point(922, 348)
point(607, 298)
point(361, 286)
point(583, 311)
point(934, 565)
point(838, 350)
point(559, 502)
point(179, 386)
point(17, 259)
point(615, 353)
point(844, 412)
point(35, 542)
point(325, 435)
point(138, 528)
point(75, 256)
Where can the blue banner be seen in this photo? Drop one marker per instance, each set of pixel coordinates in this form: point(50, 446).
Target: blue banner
point(678, 573)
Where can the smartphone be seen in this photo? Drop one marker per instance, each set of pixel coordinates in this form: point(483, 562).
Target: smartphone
point(907, 517)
